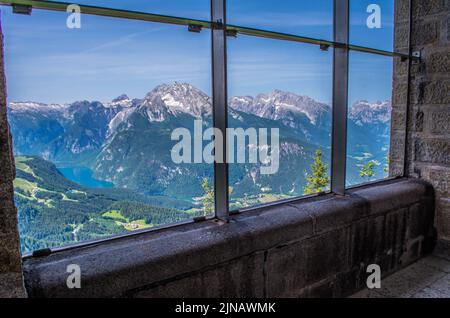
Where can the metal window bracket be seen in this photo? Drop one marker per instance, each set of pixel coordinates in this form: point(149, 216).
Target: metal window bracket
point(199, 219)
point(22, 9)
point(42, 252)
point(218, 25)
point(418, 57)
point(195, 28)
point(324, 47)
point(232, 33)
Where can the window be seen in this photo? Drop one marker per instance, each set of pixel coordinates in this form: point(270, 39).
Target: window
point(270, 87)
point(112, 122)
point(369, 117)
point(91, 112)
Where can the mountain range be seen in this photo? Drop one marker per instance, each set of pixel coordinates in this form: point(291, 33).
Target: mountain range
point(127, 141)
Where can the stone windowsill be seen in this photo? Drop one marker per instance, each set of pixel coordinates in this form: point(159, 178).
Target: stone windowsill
point(127, 265)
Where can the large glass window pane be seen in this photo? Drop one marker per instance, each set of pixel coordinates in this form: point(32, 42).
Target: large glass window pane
point(285, 86)
point(372, 23)
point(195, 9)
point(369, 117)
point(306, 18)
point(92, 111)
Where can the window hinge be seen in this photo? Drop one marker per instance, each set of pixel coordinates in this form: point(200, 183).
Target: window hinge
point(22, 9)
point(194, 28)
point(199, 219)
point(42, 252)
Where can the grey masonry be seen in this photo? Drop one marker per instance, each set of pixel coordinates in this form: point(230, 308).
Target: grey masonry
point(428, 153)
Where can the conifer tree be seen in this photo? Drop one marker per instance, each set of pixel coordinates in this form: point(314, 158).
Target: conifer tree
point(208, 198)
point(318, 180)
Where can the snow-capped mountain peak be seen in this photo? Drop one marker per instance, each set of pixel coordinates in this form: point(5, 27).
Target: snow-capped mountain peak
point(37, 107)
point(174, 99)
point(278, 104)
point(362, 112)
point(122, 101)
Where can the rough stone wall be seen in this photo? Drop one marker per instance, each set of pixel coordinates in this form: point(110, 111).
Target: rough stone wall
point(11, 278)
point(428, 143)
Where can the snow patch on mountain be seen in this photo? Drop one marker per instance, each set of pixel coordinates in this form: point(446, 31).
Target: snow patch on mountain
point(362, 112)
point(35, 107)
point(279, 104)
point(174, 99)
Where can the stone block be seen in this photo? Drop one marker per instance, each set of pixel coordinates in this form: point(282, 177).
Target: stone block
point(422, 9)
point(438, 62)
point(293, 267)
point(396, 168)
point(327, 254)
point(432, 150)
point(398, 119)
point(401, 11)
point(11, 285)
point(376, 238)
point(334, 212)
point(439, 121)
point(286, 269)
point(443, 218)
point(400, 71)
point(401, 37)
point(8, 217)
point(397, 150)
point(322, 289)
point(9, 254)
point(400, 92)
point(347, 282)
point(425, 33)
point(448, 29)
point(236, 279)
point(420, 219)
point(440, 178)
point(434, 92)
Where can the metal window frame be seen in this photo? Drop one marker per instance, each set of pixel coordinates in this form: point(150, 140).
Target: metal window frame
point(340, 96)
point(220, 106)
point(219, 31)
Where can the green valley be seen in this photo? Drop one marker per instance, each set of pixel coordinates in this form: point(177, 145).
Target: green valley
point(54, 211)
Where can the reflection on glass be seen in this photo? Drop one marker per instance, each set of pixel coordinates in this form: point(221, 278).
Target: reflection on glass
point(285, 86)
point(372, 23)
point(304, 18)
point(369, 118)
point(92, 111)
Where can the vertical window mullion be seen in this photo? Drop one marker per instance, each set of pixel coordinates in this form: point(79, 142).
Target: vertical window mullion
point(340, 96)
point(220, 113)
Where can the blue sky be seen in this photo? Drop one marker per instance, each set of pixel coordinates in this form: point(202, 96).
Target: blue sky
point(47, 62)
